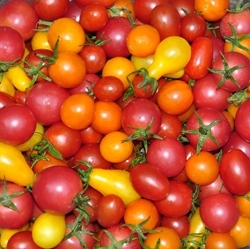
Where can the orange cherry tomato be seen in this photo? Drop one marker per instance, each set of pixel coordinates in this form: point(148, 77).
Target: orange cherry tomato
point(143, 40)
point(220, 240)
point(77, 111)
point(244, 205)
point(126, 5)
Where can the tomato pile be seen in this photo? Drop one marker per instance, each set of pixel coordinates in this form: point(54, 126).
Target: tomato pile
point(124, 124)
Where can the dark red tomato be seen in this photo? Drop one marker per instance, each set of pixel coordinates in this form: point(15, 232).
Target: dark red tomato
point(22, 240)
point(193, 26)
point(106, 3)
point(143, 9)
point(178, 202)
point(94, 17)
point(61, 136)
point(21, 16)
point(123, 103)
point(116, 30)
point(55, 188)
point(206, 95)
point(125, 164)
point(201, 58)
point(87, 85)
point(149, 182)
point(74, 11)
point(73, 242)
point(170, 126)
point(33, 59)
point(213, 188)
point(235, 171)
point(236, 142)
point(142, 92)
point(166, 19)
point(240, 21)
point(94, 58)
point(219, 212)
point(91, 154)
point(6, 99)
point(110, 210)
point(240, 75)
point(109, 88)
point(95, 196)
point(218, 46)
point(90, 136)
point(13, 219)
point(17, 124)
point(221, 131)
point(120, 233)
point(183, 4)
point(11, 45)
point(242, 121)
point(180, 225)
point(45, 100)
point(50, 10)
point(165, 153)
point(139, 113)
point(20, 97)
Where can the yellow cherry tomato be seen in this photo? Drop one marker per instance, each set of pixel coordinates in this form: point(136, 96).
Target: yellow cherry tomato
point(172, 54)
point(115, 182)
point(49, 230)
point(36, 137)
point(13, 166)
point(40, 41)
point(142, 62)
point(7, 87)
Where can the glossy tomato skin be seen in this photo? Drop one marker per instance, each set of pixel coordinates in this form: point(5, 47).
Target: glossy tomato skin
point(206, 95)
point(218, 46)
point(11, 45)
point(61, 136)
point(183, 4)
point(242, 122)
point(221, 131)
point(74, 11)
point(110, 210)
point(240, 21)
point(165, 153)
point(91, 154)
point(235, 171)
point(56, 194)
point(139, 113)
point(73, 242)
point(149, 182)
point(22, 239)
point(13, 219)
point(180, 225)
point(178, 201)
point(219, 212)
point(143, 8)
point(201, 58)
point(45, 100)
point(17, 124)
point(106, 3)
point(241, 75)
point(50, 10)
point(21, 16)
point(236, 142)
point(116, 29)
point(193, 26)
point(220, 240)
point(119, 234)
point(166, 19)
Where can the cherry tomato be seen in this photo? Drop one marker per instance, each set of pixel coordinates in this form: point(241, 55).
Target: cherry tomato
point(220, 240)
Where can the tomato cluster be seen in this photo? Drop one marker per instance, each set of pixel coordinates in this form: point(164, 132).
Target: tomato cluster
point(124, 124)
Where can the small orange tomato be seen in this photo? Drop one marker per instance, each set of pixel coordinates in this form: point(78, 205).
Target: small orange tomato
point(212, 10)
point(143, 40)
point(175, 97)
point(68, 71)
point(168, 239)
point(70, 32)
point(203, 168)
point(140, 210)
point(220, 240)
point(77, 111)
point(126, 5)
point(185, 115)
point(113, 149)
point(107, 117)
point(244, 205)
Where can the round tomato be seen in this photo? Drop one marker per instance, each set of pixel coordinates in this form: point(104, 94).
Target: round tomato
point(220, 240)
